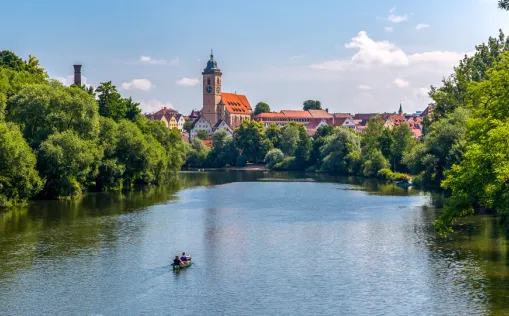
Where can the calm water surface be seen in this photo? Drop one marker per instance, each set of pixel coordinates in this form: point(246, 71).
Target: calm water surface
point(262, 243)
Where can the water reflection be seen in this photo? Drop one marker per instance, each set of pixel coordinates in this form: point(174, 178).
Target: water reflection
point(380, 235)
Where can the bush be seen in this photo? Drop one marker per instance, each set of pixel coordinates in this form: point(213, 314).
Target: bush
point(388, 175)
point(273, 157)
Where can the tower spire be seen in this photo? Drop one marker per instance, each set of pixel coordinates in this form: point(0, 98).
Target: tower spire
point(211, 54)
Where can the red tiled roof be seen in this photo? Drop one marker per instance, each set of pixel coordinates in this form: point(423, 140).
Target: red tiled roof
point(320, 114)
point(270, 115)
point(207, 143)
point(417, 133)
point(313, 124)
point(297, 114)
point(341, 115)
point(339, 121)
point(236, 103)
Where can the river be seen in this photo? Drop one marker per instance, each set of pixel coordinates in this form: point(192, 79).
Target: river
point(262, 243)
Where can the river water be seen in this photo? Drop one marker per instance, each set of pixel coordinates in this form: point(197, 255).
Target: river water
point(262, 243)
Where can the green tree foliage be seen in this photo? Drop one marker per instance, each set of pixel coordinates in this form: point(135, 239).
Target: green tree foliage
point(373, 162)
point(144, 158)
point(341, 152)
point(69, 163)
point(250, 139)
point(289, 138)
point(111, 103)
point(318, 141)
point(42, 110)
point(439, 151)
point(482, 177)
point(19, 180)
point(223, 152)
point(402, 143)
point(303, 151)
point(454, 91)
point(261, 107)
point(197, 154)
point(11, 82)
point(10, 60)
point(111, 171)
point(312, 105)
point(273, 134)
point(273, 157)
point(188, 126)
point(3, 100)
point(203, 135)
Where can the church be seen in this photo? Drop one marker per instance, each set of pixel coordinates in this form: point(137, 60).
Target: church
point(219, 106)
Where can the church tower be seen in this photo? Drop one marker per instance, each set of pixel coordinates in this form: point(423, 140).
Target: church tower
point(211, 91)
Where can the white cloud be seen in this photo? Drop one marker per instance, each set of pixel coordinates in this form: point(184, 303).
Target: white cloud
point(392, 10)
point(422, 92)
point(421, 26)
point(364, 87)
point(401, 83)
point(69, 80)
point(137, 84)
point(388, 29)
point(397, 18)
point(188, 82)
point(150, 106)
point(376, 54)
point(370, 53)
point(437, 56)
point(151, 61)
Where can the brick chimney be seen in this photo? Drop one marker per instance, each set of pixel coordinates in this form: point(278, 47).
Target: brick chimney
point(77, 75)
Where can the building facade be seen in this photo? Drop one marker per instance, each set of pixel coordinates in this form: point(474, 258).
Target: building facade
point(232, 108)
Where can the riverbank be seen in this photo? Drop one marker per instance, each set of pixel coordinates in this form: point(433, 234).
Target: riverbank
point(249, 167)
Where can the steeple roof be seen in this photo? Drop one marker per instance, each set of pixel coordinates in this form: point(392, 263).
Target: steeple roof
point(400, 109)
point(211, 65)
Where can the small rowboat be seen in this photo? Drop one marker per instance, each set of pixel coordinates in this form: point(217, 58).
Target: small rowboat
point(182, 266)
point(403, 184)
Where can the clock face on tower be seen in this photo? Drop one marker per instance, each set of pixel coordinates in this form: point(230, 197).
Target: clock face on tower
point(218, 90)
point(208, 89)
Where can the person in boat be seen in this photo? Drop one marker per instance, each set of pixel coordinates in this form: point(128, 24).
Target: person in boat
point(177, 261)
point(185, 257)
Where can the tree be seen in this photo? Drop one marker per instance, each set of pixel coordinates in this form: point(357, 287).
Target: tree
point(144, 158)
point(440, 150)
point(197, 153)
point(374, 161)
point(289, 138)
point(19, 180)
point(481, 179)
point(69, 164)
point(341, 152)
point(33, 67)
point(273, 134)
point(303, 151)
point(111, 103)
point(42, 110)
point(203, 135)
point(373, 133)
point(3, 100)
point(11, 81)
point(403, 141)
point(318, 141)
point(10, 60)
point(188, 126)
point(312, 105)
point(454, 91)
point(503, 4)
point(223, 152)
point(250, 139)
point(273, 157)
point(261, 107)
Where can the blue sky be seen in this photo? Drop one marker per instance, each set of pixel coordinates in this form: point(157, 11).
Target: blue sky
point(354, 56)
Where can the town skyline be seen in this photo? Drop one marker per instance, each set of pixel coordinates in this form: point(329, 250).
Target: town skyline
point(364, 61)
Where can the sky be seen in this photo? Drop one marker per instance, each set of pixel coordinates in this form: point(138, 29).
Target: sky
point(353, 56)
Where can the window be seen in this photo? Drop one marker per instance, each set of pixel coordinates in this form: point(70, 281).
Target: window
point(208, 81)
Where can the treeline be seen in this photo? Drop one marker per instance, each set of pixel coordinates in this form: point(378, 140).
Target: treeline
point(378, 152)
point(58, 141)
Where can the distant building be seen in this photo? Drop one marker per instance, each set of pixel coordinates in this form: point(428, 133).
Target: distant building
point(200, 124)
point(315, 124)
point(221, 124)
point(232, 108)
point(170, 117)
